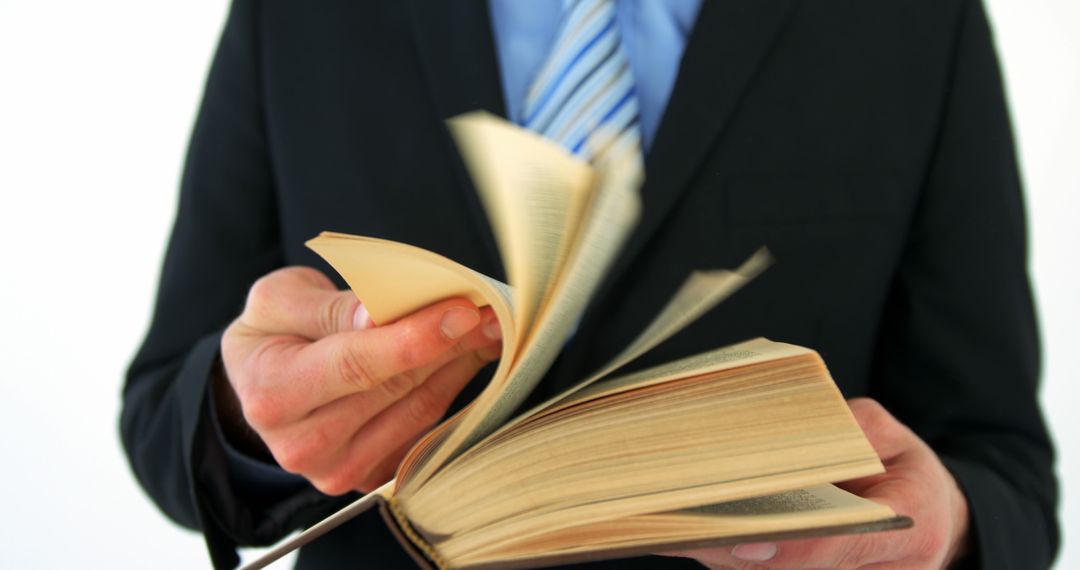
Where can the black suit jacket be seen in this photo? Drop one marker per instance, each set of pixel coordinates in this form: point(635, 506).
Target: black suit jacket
point(866, 143)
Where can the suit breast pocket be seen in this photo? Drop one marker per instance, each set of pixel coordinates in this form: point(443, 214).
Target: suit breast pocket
point(812, 198)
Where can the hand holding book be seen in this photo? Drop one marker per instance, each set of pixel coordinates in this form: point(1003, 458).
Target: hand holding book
point(915, 483)
point(331, 397)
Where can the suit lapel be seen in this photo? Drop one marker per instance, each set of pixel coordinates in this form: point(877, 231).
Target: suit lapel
point(729, 42)
point(456, 49)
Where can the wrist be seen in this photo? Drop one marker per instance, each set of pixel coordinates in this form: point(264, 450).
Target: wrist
point(225, 406)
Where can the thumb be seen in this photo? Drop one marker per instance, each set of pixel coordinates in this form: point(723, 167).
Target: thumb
point(885, 433)
point(301, 301)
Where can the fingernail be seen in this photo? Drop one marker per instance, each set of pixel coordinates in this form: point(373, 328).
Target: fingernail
point(492, 330)
point(458, 321)
point(361, 318)
point(754, 552)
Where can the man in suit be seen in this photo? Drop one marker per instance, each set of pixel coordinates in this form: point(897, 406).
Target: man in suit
point(866, 143)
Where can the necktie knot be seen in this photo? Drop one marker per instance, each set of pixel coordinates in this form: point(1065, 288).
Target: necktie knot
point(584, 96)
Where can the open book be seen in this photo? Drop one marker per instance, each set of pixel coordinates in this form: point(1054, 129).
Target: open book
point(734, 445)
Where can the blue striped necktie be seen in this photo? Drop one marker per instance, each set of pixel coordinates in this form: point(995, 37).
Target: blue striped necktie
point(584, 96)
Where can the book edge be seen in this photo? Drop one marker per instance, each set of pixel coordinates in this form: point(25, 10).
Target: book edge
point(890, 524)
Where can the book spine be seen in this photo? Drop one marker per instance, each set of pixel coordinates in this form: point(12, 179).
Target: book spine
point(414, 537)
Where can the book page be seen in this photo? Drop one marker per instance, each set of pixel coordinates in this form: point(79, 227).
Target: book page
point(616, 211)
point(812, 499)
point(394, 279)
point(817, 507)
point(534, 193)
point(612, 215)
point(742, 354)
point(733, 434)
point(700, 293)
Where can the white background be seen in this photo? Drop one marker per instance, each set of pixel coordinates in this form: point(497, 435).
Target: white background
point(96, 103)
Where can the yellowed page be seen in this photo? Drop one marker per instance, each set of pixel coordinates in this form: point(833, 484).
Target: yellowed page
point(733, 434)
point(701, 292)
point(698, 295)
point(801, 509)
point(612, 215)
point(534, 193)
point(738, 355)
point(616, 212)
point(813, 499)
point(393, 279)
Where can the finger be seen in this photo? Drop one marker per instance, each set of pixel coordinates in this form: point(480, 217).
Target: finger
point(330, 467)
point(362, 460)
point(288, 379)
point(386, 468)
point(363, 406)
point(886, 434)
point(904, 472)
point(486, 338)
point(284, 388)
point(841, 552)
point(415, 347)
point(313, 444)
point(897, 489)
point(301, 301)
point(718, 557)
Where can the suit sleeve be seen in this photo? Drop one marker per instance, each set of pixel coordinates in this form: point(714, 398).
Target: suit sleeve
point(225, 237)
point(959, 354)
